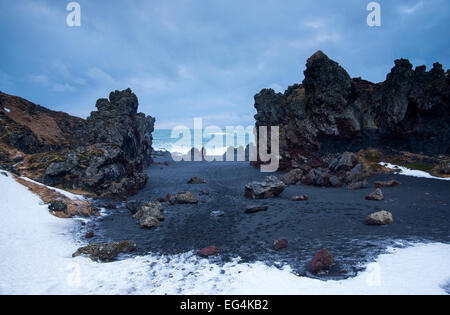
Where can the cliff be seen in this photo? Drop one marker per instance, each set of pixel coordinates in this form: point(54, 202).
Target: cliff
point(106, 154)
point(330, 112)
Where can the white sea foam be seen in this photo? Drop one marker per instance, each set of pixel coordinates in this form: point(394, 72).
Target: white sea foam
point(408, 172)
point(36, 253)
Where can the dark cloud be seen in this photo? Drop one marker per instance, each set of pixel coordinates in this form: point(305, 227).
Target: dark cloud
point(187, 58)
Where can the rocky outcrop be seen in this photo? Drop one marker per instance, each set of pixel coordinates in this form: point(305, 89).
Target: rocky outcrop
point(331, 112)
point(106, 252)
point(105, 154)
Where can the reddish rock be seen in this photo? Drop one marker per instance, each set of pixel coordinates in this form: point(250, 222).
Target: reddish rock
point(280, 244)
point(89, 235)
point(161, 199)
point(203, 201)
point(322, 262)
point(391, 183)
point(300, 198)
point(166, 163)
point(209, 251)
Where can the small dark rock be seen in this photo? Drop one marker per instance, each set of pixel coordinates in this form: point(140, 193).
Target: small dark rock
point(89, 235)
point(196, 181)
point(161, 200)
point(357, 185)
point(204, 192)
point(217, 213)
point(255, 209)
point(379, 218)
point(106, 252)
point(300, 198)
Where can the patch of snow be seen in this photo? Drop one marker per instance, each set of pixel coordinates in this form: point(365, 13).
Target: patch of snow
point(409, 172)
point(7, 109)
point(61, 191)
point(36, 250)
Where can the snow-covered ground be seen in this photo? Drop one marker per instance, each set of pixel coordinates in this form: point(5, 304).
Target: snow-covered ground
point(36, 248)
point(409, 172)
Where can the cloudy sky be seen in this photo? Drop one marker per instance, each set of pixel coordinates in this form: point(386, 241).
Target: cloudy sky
point(203, 58)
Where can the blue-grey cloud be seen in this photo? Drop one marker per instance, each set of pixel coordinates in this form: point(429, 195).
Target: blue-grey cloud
point(194, 58)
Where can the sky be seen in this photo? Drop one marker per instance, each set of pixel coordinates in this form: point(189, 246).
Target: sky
point(203, 58)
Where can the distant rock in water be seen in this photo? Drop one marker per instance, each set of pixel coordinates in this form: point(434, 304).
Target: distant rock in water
point(105, 154)
point(333, 113)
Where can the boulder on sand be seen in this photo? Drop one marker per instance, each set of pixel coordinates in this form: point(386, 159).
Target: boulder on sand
point(149, 215)
point(322, 262)
point(377, 195)
point(390, 183)
point(269, 188)
point(184, 197)
point(379, 218)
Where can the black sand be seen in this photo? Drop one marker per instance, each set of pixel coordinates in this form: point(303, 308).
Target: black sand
point(332, 218)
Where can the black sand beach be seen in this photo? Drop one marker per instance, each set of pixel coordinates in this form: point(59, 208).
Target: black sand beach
point(332, 218)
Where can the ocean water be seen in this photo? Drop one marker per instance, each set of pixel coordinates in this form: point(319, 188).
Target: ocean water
point(216, 142)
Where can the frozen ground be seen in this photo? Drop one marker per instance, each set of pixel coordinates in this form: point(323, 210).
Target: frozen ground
point(409, 172)
point(36, 253)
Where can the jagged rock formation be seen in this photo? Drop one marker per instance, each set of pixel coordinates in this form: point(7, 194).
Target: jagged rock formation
point(331, 112)
point(105, 154)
